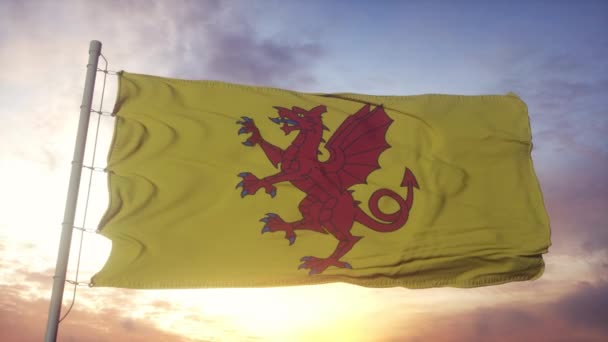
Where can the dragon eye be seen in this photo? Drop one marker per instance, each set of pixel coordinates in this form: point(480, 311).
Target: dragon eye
point(300, 115)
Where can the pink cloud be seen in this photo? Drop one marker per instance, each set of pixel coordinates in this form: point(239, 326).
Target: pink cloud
point(578, 316)
point(24, 320)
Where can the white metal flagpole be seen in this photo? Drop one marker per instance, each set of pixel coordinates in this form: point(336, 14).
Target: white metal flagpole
point(70, 206)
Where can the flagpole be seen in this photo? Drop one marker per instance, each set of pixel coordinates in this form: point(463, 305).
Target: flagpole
point(70, 206)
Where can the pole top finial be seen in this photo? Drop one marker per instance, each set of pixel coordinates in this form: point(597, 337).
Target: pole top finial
point(95, 46)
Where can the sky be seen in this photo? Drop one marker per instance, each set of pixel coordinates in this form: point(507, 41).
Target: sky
point(553, 54)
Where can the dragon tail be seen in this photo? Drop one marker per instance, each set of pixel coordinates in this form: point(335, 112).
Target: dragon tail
point(394, 220)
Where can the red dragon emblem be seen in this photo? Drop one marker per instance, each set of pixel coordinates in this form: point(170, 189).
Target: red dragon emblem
point(329, 206)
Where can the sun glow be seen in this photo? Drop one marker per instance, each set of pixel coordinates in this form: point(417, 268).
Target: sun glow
point(320, 313)
point(283, 312)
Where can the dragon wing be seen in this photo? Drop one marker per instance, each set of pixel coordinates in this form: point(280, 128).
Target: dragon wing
point(356, 146)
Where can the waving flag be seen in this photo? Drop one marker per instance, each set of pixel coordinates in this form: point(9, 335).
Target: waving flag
point(222, 185)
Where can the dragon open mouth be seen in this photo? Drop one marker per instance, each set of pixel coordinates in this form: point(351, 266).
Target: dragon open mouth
point(284, 121)
point(288, 124)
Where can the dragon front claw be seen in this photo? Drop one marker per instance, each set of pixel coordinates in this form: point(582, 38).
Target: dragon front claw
point(274, 223)
point(269, 217)
point(246, 184)
point(248, 126)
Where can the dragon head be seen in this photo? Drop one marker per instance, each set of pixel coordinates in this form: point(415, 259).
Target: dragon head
point(299, 119)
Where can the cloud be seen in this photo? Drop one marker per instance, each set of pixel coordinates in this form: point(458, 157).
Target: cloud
point(226, 46)
point(576, 192)
point(580, 316)
point(240, 57)
point(42, 279)
point(198, 40)
point(586, 308)
point(24, 320)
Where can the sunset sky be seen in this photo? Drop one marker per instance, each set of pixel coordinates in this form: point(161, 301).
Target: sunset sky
point(553, 54)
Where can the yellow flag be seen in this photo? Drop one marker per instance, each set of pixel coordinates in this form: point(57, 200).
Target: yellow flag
point(222, 185)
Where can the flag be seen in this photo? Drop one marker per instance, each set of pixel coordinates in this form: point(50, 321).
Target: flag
point(215, 184)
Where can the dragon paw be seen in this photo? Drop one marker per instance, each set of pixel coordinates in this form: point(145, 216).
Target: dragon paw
point(318, 265)
point(248, 126)
point(251, 184)
point(274, 223)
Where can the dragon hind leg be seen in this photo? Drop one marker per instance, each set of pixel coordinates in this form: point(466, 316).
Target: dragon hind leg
point(310, 210)
point(274, 223)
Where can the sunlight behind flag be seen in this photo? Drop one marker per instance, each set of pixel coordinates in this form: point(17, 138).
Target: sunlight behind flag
point(223, 185)
point(302, 313)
